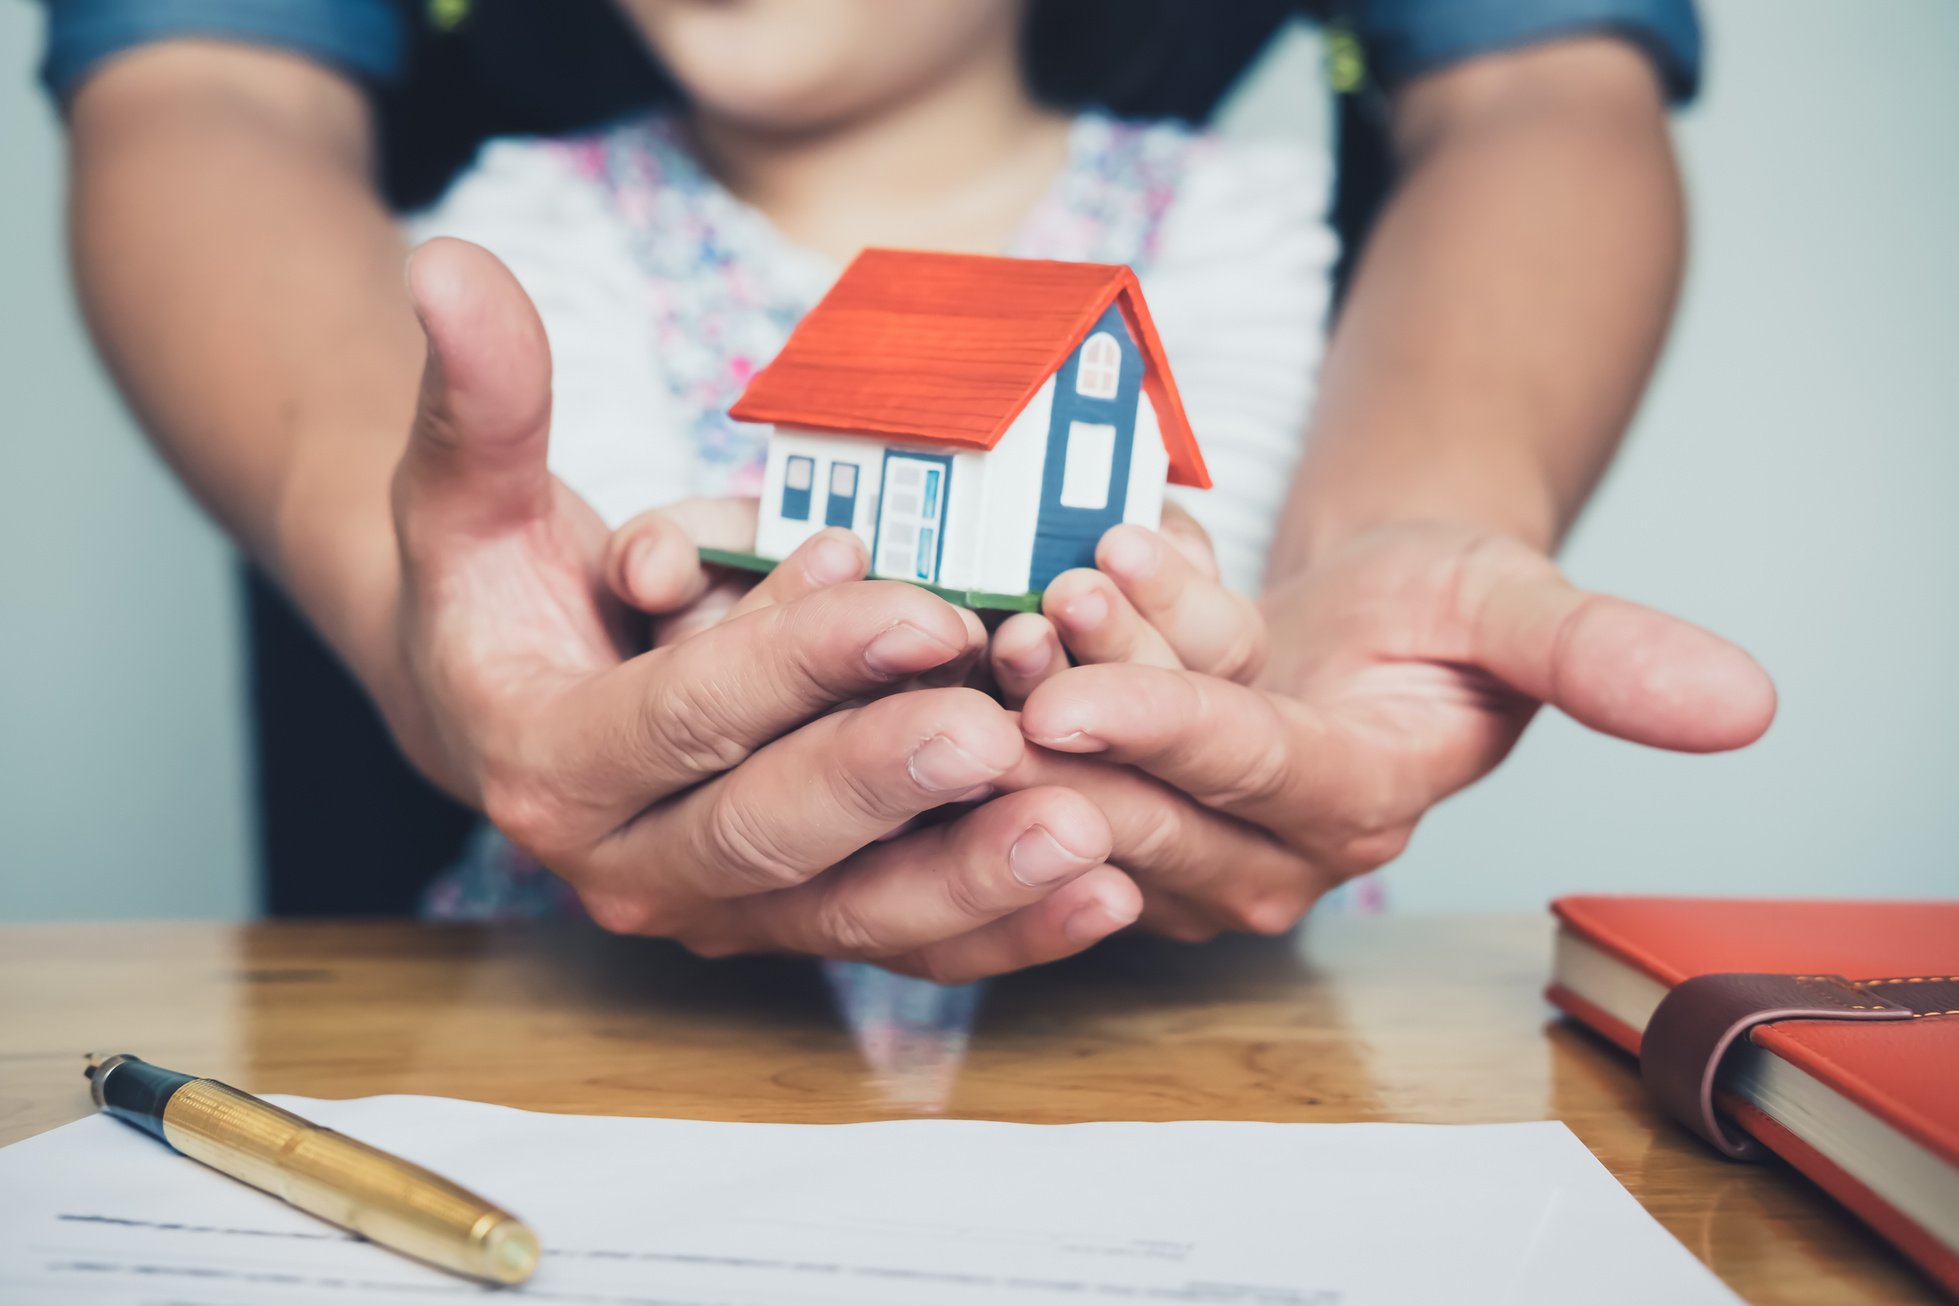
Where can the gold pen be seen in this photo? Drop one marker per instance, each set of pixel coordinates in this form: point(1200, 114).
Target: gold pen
point(362, 1189)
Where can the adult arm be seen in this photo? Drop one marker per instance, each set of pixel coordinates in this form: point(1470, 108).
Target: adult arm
point(243, 281)
point(1509, 305)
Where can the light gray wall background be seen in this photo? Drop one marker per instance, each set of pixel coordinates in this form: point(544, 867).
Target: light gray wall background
point(122, 736)
point(1790, 483)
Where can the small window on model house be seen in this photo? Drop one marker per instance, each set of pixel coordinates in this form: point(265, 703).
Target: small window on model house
point(840, 509)
point(1099, 374)
point(797, 477)
point(1088, 464)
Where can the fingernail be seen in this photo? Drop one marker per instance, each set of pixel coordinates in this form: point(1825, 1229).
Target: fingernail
point(942, 766)
point(639, 556)
point(977, 794)
point(1097, 919)
point(905, 649)
point(1129, 553)
point(1088, 611)
point(832, 561)
point(1038, 859)
point(1075, 741)
point(1032, 661)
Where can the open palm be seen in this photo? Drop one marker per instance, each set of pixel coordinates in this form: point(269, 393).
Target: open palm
point(1386, 677)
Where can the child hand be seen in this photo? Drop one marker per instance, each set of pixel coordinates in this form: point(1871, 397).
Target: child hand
point(1152, 599)
point(652, 564)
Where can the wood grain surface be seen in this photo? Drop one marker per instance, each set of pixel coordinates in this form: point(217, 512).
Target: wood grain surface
point(1432, 1019)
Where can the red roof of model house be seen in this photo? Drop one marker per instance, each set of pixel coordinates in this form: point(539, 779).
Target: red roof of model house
point(948, 348)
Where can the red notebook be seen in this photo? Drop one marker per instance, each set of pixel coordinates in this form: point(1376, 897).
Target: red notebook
point(1868, 1110)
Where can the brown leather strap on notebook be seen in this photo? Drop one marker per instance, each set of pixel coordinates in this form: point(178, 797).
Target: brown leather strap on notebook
point(1699, 1020)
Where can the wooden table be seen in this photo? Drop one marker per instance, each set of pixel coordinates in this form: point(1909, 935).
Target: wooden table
point(1420, 1019)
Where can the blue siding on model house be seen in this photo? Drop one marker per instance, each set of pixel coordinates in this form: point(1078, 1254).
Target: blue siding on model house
point(1065, 537)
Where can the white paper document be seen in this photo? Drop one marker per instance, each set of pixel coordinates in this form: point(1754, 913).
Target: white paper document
point(924, 1213)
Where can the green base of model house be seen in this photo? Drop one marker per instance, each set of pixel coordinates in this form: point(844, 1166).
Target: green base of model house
point(978, 600)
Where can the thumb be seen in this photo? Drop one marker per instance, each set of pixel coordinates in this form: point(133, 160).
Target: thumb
point(476, 452)
point(1620, 668)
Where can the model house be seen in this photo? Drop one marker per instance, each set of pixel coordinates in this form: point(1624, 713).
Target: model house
point(978, 422)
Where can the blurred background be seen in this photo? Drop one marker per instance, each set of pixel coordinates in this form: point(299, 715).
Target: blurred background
point(1788, 483)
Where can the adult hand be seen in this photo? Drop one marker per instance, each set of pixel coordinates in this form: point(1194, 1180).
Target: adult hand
point(708, 789)
point(1400, 669)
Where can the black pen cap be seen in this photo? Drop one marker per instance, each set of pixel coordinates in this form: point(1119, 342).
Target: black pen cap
point(132, 1089)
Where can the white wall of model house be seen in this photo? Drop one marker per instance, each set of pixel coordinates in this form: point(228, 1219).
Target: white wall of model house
point(992, 497)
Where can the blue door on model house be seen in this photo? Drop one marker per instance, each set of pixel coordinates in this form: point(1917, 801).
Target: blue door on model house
point(910, 539)
point(1090, 434)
